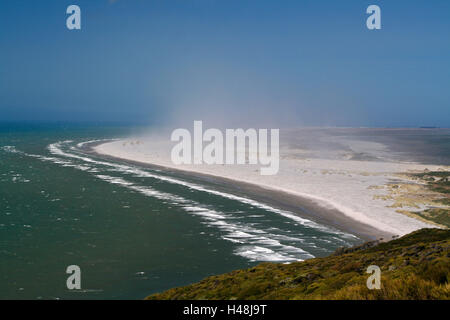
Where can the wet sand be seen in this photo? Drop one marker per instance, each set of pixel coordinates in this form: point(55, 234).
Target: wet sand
point(302, 206)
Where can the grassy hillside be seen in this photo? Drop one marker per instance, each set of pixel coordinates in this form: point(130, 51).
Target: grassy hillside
point(416, 266)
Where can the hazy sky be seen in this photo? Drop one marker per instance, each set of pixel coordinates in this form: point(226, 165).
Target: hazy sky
point(258, 62)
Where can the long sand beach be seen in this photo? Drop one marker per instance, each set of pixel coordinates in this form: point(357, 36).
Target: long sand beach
point(337, 179)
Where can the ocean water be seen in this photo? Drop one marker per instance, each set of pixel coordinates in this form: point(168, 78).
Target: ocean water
point(132, 230)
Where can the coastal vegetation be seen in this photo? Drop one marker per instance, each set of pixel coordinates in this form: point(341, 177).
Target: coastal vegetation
point(437, 182)
point(415, 266)
point(424, 196)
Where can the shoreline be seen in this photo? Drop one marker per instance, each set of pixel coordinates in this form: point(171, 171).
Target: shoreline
point(313, 280)
point(305, 207)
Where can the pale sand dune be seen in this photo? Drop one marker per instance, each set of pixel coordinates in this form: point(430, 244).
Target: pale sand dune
point(345, 185)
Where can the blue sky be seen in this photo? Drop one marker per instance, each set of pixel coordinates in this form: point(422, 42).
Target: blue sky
point(259, 62)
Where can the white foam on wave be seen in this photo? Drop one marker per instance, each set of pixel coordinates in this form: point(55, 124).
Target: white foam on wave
point(256, 253)
point(10, 149)
point(63, 163)
point(233, 231)
point(17, 177)
point(258, 245)
point(55, 148)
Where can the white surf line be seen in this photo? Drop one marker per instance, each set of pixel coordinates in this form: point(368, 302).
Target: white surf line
point(209, 216)
point(127, 169)
point(64, 163)
point(55, 149)
point(10, 149)
point(238, 233)
point(252, 238)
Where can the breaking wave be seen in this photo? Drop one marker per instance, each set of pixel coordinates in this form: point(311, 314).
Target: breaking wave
point(252, 240)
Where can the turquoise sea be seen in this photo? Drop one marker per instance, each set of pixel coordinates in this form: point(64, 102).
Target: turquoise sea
point(132, 230)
